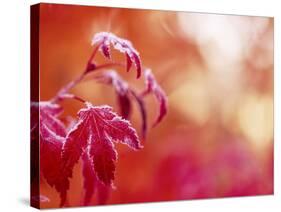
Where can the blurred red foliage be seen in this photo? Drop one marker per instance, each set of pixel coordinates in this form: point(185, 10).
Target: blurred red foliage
point(217, 139)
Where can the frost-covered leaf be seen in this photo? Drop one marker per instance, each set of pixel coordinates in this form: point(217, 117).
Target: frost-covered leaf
point(97, 129)
point(52, 134)
point(129, 62)
point(122, 91)
point(91, 183)
point(89, 178)
point(153, 87)
point(104, 39)
point(124, 105)
point(104, 157)
point(48, 117)
point(143, 112)
point(105, 47)
point(124, 96)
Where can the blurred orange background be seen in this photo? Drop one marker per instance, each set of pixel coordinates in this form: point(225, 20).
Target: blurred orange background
point(217, 72)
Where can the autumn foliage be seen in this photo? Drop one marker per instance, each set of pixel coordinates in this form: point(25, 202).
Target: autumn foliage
point(92, 135)
point(138, 106)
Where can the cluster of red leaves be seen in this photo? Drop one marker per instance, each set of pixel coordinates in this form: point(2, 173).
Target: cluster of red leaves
point(126, 94)
point(92, 136)
point(105, 39)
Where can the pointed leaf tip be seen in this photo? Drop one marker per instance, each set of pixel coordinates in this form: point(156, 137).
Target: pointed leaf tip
point(153, 87)
point(104, 39)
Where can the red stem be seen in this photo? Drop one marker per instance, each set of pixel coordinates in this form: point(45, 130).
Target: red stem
point(106, 65)
point(69, 86)
point(71, 96)
point(94, 53)
point(64, 90)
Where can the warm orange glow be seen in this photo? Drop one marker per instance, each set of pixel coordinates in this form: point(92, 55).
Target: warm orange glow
point(217, 71)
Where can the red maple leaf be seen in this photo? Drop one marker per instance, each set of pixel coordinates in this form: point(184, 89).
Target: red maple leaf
point(122, 91)
point(91, 184)
point(105, 39)
point(48, 118)
point(96, 129)
point(52, 134)
point(125, 94)
point(153, 87)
